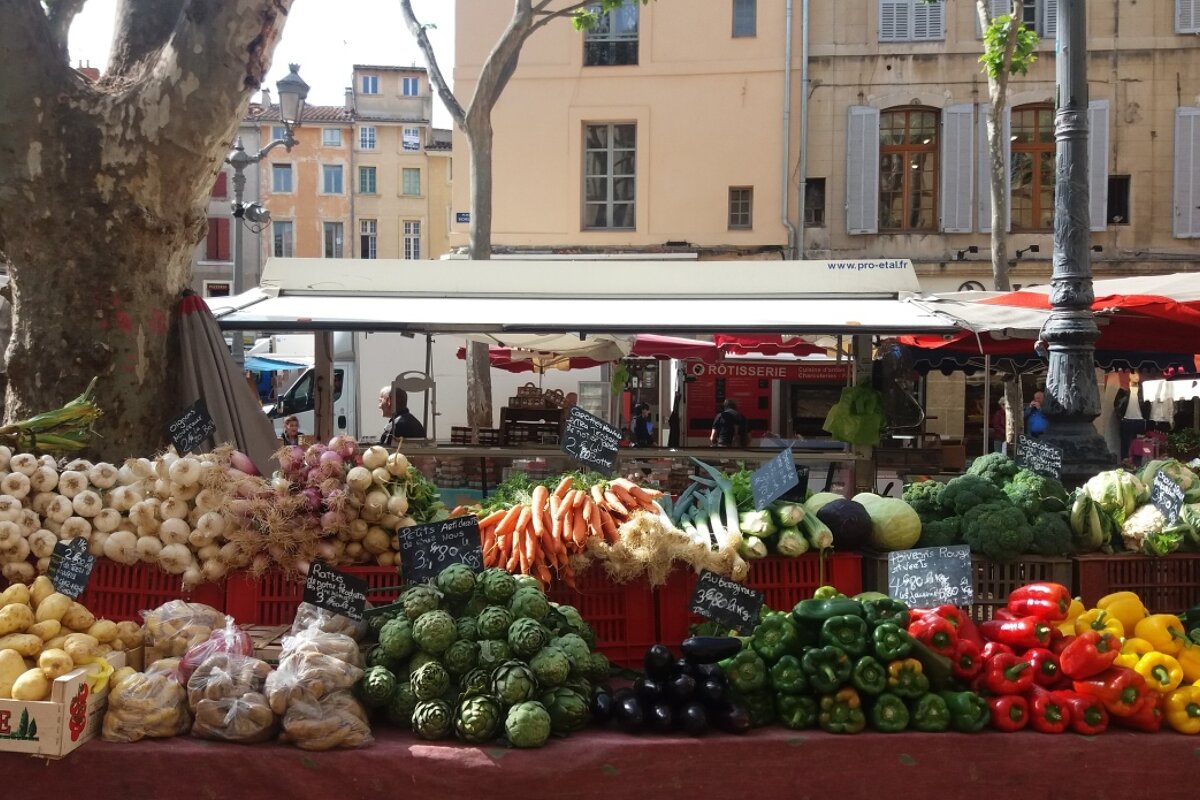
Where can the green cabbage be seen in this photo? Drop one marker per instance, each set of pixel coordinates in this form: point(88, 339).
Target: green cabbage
point(894, 524)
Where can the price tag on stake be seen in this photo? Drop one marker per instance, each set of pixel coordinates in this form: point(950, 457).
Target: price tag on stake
point(773, 479)
point(425, 550)
point(335, 591)
point(591, 441)
point(932, 576)
point(1167, 497)
point(189, 430)
point(71, 567)
point(726, 602)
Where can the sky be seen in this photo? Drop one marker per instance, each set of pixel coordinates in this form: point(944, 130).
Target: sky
point(325, 37)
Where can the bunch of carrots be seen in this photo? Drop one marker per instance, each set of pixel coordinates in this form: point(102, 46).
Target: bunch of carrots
point(537, 537)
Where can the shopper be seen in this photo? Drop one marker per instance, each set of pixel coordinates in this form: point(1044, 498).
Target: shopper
point(401, 423)
point(1035, 421)
point(291, 430)
point(643, 434)
point(729, 427)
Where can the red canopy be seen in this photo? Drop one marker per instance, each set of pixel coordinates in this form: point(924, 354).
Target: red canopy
point(765, 344)
point(646, 345)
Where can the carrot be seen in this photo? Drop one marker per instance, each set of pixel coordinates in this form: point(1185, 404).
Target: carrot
point(523, 517)
point(487, 539)
point(594, 517)
point(492, 518)
point(543, 573)
point(580, 496)
point(580, 530)
point(609, 526)
point(597, 494)
point(560, 491)
point(624, 497)
point(514, 558)
point(509, 523)
point(540, 496)
point(523, 563)
point(615, 503)
point(532, 544)
point(535, 513)
point(566, 503)
point(568, 526)
point(568, 576)
point(639, 492)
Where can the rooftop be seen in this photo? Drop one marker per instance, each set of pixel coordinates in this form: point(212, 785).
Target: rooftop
point(270, 114)
point(379, 68)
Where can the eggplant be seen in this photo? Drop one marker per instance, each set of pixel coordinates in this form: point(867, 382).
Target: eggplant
point(693, 719)
point(620, 695)
point(712, 671)
point(602, 707)
point(734, 718)
point(649, 691)
point(710, 649)
point(660, 718)
point(683, 666)
point(629, 714)
point(712, 694)
point(681, 690)
point(658, 662)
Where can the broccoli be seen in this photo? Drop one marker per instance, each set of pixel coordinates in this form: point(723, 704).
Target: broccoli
point(997, 530)
point(997, 468)
point(924, 497)
point(967, 491)
point(939, 532)
point(1051, 535)
point(1035, 494)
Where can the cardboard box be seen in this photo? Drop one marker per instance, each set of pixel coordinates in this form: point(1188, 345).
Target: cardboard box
point(954, 456)
point(53, 728)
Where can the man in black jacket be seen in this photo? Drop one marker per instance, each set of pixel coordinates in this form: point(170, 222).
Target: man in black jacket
point(401, 423)
point(729, 429)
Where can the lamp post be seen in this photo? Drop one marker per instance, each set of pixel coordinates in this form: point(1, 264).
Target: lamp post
point(292, 93)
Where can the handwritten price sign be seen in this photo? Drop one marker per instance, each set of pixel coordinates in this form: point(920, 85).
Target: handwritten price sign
point(932, 576)
point(335, 591)
point(591, 441)
point(425, 550)
point(726, 602)
point(71, 567)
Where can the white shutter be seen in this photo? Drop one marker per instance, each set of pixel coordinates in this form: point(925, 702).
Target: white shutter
point(894, 20)
point(928, 20)
point(1187, 173)
point(1098, 164)
point(1187, 16)
point(862, 170)
point(985, 168)
point(1049, 16)
point(998, 8)
point(958, 168)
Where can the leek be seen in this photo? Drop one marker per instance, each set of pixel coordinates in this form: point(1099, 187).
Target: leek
point(752, 548)
point(757, 523)
point(791, 543)
point(788, 514)
point(731, 508)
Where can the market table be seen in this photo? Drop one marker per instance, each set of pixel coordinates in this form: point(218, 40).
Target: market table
point(606, 765)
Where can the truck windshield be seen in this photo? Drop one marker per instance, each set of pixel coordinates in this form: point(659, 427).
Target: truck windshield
point(300, 397)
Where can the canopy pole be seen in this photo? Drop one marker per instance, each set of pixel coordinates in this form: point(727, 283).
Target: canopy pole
point(428, 374)
point(323, 385)
point(987, 402)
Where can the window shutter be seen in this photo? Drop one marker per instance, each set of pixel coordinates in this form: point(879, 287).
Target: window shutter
point(928, 20)
point(1187, 16)
point(894, 20)
point(862, 170)
point(216, 244)
point(1187, 173)
point(958, 168)
point(1098, 164)
point(997, 8)
point(985, 168)
point(1049, 19)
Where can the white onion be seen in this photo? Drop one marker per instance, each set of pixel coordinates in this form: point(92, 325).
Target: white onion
point(184, 471)
point(374, 456)
point(102, 476)
point(59, 509)
point(148, 549)
point(107, 520)
point(175, 558)
point(174, 531)
point(75, 528)
point(10, 508)
point(209, 551)
point(87, 503)
point(185, 493)
point(359, 478)
point(43, 479)
point(24, 463)
point(71, 483)
point(121, 547)
point(15, 484)
point(207, 500)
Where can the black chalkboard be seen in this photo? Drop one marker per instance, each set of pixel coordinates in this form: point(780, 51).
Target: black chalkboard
point(425, 550)
point(773, 479)
point(1040, 457)
point(189, 430)
point(728, 603)
point(932, 576)
point(71, 567)
point(591, 441)
point(1167, 497)
point(335, 591)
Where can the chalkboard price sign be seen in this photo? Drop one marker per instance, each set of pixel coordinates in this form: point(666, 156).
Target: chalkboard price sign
point(1040, 457)
point(425, 550)
point(773, 479)
point(725, 602)
point(189, 430)
point(1167, 497)
point(932, 576)
point(71, 567)
point(591, 441)
point(335, 591)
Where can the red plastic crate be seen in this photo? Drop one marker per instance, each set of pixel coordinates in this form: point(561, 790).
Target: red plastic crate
point(623, 615)
point(783, 582)
point(273, 598)
point(123, 591)
point(1167, 584)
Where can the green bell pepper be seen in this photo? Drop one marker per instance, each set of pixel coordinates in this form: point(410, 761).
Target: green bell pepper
point(884, 610)
point(842, 712)
point(797, 711)
point(847, 632)
point(746, 671)
point(787, 676)
point(906, 679)
point(929, 714)
point(761, 705)
point(810, 615)
point(891, 641)
point(775, 637)
point(969, 713)
point(869, 676)
point(889, 714)
point(827, 593)
point(827, 668)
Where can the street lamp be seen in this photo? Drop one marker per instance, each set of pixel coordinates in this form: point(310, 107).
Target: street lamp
point(292, 93)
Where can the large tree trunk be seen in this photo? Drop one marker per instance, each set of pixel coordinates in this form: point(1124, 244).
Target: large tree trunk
point(102, 197)
point(479, 366)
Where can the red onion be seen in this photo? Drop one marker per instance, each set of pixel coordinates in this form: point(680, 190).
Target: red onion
point(332, 456)
point(240, 461)
point(313, 456)
point(345, 446)
point(313, 496)
point(331, 521)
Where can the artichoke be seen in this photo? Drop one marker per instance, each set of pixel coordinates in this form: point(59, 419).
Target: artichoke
point(527, 725)
point(493, 653)
point(527, 582)
point(477, 681)
point(575, 623)
point(526, 637)
point(569, 711)
point(375, 623)
point(419, 600)
point(550, 666)
point(430, 681)
point(400, 709)
point(513, 683)
point(530, 603)
point(434, 632)
point(580, 686)
point(396, 639)
point(497, 585)
point(467, 629)
point(376, 657)
point(478, 719)
point(376, 687)
point(598, 669)
point(461, 657)
point(432, 719)
point(493, 623)
point(456, 580)
point(577, 652)
point(475, 604)
point(418, 660)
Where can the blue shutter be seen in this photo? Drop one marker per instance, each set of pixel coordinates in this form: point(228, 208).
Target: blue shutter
point(862, 170)
point(928, 20)
point(958, 168)
point(1187, 16)
point(1049, 16)
point(1098, 164)
point(1187, 173)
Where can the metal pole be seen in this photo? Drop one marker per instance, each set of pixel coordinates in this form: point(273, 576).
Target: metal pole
point(987, 403)
point(237, 160)
point(1072, 396)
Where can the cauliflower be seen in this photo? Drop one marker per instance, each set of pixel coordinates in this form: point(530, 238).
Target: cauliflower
point(997, 530)
point(997, 468)
point(967, 491)
point(1145, 531)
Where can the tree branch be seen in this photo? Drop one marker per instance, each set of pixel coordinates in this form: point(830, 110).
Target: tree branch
point(142, 28)
point(31, 58)
point(435, 72)
point(62, 13)
point(546, 16)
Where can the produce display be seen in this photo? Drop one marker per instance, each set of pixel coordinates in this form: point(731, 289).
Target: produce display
point(1113, 511)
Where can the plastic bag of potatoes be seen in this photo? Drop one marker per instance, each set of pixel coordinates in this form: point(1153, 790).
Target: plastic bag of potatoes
point(177, 626)
point(225, 694)
point(146, 705)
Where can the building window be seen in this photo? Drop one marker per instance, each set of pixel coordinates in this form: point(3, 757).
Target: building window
point(745, 17)
point(1032, 174)
point(814, 202)
point(218, 289)
point(411, 181)
point(366, 138)
point(282, 239)
point(411, 139)
point(366, 180)
point(1187, 16)
point(908, 169)
point(741, 207)
point(1040, 16)
point(370, 84)
point(911, 20)
point(410, 87)
point(281, 178)
point(220, 190)
point(331, 178)
point(609, 175)
point(1118, 200)
point(412, 240)
point(216, 243)
point(333, 239)
point(278, 132)
point(331, 137)
point(368, 243)
point(614, 40)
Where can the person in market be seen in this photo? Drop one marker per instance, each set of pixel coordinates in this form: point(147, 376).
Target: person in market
point(729, 426)
point(643, 432)
point(401, 423)
point(999, 423)
point(291, 430)
point(1035, 422)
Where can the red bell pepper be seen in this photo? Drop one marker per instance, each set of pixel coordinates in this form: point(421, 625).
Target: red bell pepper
point(1004, 614)
point(1048, 601)
point(992, 649)
point(1020, 633)
point(1059, 644)
point(1047, 714)
point(964, 626)
point(1147, 716)
point(1045, 666)
point(1091, 653)
point(1007, 674)
point(1087, 713)
point(1119, 689)
point(1010, 712)
point(935, 632)
point(968, 660)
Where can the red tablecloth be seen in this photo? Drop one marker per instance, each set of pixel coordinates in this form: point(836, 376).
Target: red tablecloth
point(775, 763)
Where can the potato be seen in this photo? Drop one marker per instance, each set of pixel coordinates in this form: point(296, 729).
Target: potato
point(82, 648)
point(17, 594)
point(120, 675)
point(32, 685)
point(103, 649)
point(55, 663)
point(53, 607)
point(131, 634)
point(57, 642)
point(24, 643)
point(104, 630)
point(46, 630)
point(78, 618)
point(12, 666)
point(117, 645)
point(15, 618)
point(41, 589)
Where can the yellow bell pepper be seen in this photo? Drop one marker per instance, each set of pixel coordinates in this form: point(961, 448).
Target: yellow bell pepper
point(1182, 709)
point(1189, 660)
point(1100, 621)
point(1132, 651)
point(1164, 631)
point(1125, 606)
point(1161, 671)
point(1067, 626)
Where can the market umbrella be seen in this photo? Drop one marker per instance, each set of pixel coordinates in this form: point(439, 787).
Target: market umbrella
point(765, 344)
point(645, 345)
point(210, 374)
